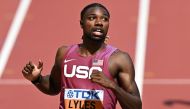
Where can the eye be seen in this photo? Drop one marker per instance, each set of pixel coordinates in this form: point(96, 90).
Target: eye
point(91, 18)
point(105, 18)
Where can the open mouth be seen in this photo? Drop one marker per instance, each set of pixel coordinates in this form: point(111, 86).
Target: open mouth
point(97, 32)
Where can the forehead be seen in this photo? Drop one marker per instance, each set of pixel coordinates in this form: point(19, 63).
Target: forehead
point(96, 11)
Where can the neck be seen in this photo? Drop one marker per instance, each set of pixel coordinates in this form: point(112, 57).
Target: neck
point(89, 47)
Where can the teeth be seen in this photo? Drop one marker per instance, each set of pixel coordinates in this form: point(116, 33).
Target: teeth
point(98, 30)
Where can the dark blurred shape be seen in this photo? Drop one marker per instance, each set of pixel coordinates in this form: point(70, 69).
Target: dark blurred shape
point(172, 102)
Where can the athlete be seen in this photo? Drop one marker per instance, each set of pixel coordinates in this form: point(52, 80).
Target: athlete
point(92, 74)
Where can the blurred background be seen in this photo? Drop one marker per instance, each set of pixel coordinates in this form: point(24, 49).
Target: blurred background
point(34, 29)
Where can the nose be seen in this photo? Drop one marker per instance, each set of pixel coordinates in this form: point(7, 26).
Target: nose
point(98, 23)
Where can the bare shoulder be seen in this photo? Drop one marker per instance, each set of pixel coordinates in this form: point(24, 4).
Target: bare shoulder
point(121, 58)
point(120, 61)
point(61, 51)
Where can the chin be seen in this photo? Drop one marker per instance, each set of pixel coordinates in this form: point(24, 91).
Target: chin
point(97, 38)
point(94, 38)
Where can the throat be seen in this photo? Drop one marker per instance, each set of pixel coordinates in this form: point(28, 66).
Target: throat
point(90, 49)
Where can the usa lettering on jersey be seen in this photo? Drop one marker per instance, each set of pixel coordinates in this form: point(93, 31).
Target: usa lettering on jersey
point(82, 72)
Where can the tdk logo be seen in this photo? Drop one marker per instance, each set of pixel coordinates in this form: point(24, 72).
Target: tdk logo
point(84, 94)
point(83, 72)
point(70, 94)
point(87, 94)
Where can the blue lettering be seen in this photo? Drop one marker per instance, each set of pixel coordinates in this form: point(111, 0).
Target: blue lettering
point(87, 94)
point(77, 92)
point(95, 95)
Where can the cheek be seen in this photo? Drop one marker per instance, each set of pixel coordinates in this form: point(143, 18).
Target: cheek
point(106, 26)
point(89, 25)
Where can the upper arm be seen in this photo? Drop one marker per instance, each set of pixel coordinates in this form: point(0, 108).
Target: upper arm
point(55, 76)
point(126, 73)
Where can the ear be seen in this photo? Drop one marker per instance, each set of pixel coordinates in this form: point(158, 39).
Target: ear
point(81, 23)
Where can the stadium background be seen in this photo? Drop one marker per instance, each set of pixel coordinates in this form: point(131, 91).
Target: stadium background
point(50, 24)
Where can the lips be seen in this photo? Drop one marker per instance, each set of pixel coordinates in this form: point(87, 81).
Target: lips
point(97, 32)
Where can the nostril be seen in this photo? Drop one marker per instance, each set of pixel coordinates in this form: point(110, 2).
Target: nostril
point(99, 23)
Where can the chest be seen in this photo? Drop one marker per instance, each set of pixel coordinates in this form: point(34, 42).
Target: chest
point(81, 67)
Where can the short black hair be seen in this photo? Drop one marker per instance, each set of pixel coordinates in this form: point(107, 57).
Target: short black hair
point(93, 5)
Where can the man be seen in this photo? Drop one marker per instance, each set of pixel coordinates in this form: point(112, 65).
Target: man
point(90, 75)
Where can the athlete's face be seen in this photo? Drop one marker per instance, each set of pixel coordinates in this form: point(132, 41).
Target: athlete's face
point(95, 23)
